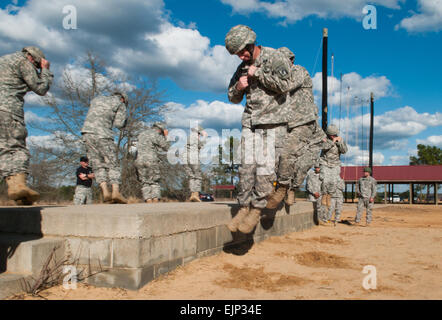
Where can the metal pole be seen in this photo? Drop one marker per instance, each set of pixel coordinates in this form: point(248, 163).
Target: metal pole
point(324, 78)
point(371, 132)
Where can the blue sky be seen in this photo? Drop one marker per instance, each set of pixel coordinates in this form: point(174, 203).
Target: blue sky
point(181, 43)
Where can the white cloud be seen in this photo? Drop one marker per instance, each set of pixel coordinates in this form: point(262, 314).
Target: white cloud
point(399, 160)
point(216, 114)
point(294, 10)
point(391, 129)
point(359, 87)
point(357, 157)
point(133, 35)
point(429, 17)
point(431, 141)
point(31, 117)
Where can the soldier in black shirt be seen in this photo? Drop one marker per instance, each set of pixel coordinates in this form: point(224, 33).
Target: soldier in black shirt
point(83, 191)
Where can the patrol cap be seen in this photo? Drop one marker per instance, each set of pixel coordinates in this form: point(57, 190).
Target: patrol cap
point(238, 38)
point(317, 165)
point(367, 169)
point(35, 52)
point(332, 130)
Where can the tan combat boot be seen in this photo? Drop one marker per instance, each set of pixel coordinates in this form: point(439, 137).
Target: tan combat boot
point(290, 199)
point(194, 197)
point(250, 221)
point(236, 220)
point(148, 201)
point(155, 200)
point(116, 195)
point(107, 197)
point(17, 189)
point(276, 197)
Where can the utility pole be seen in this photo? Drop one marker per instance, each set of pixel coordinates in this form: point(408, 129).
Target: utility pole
point(324, 78)
point(370, 164)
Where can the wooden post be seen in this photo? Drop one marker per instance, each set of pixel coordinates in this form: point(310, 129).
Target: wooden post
point(385, 193)
point(352, 193)
point(436, 195)
point(392, 193)
point(324, 78)
point(410, 194)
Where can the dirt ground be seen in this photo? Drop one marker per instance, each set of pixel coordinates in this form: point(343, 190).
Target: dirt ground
point(404, 244)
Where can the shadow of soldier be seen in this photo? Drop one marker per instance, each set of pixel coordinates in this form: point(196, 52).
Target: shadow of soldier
point(17, 225)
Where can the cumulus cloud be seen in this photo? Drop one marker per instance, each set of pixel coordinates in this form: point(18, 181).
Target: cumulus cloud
point(391, 129)
point(357, 157)
point(399, 160)
point(134, 36)
point(291, 11)
point(31, 117)
point(216, 114)
point(358, 87)
point(431, 141)
point(429, 17)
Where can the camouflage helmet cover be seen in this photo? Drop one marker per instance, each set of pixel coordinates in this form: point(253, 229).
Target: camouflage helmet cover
point(332, 130)
point(160, 125)
point(367, 169)
point(35, 52)
point(123, 95)
point(198, 129)
point(238, 38)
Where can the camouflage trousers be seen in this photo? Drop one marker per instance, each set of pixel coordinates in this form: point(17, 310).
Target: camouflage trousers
point(83, 195)
point(103, 158)
point(319, 210)
point(335, 206)
point(260, 157)
point(149, 176)
point(330, 178)
point(299, 154)
point(193, 171)
point(364, 203)
point(14, 156)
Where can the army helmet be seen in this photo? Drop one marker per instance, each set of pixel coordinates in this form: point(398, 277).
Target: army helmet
point(367, 169)
point(35, 52)
point(332, 130)
point(123, 95)
point(160, 125)
point(238, 38)
point(198, 129)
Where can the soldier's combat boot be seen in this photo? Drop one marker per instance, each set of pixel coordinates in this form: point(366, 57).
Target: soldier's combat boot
point(107, 197)
point(250, 221)
point(290, 198)
point(116, 195)
point(276, 197)
point(17, 189)
point(155, 200)
point(148, 201)
point(194, 197)
point(236, 220)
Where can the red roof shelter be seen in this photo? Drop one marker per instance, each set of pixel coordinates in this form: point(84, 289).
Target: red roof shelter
point(391, 175)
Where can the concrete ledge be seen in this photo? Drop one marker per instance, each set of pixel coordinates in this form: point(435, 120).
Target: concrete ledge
point(137, 243)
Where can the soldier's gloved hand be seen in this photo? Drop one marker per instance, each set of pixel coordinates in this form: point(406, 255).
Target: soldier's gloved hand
point(45, 64)
point(242, 84)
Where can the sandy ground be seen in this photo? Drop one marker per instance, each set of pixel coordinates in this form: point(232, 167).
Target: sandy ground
point(404, 244)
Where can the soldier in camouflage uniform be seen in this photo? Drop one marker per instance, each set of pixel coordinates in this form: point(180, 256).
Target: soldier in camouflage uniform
point(151, 142)
point(265, 77)
point(331, 163)
point(366, 191)
point(313, 187)
point(337, 199)
point(20, 72)
point(192, 166)
point(304, 139)
point(105, 113)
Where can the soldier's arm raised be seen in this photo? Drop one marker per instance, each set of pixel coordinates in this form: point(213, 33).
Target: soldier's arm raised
point(281, 76)
point(342, 146)
point(235, 95)
point(38, 84)
point(121, 116)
